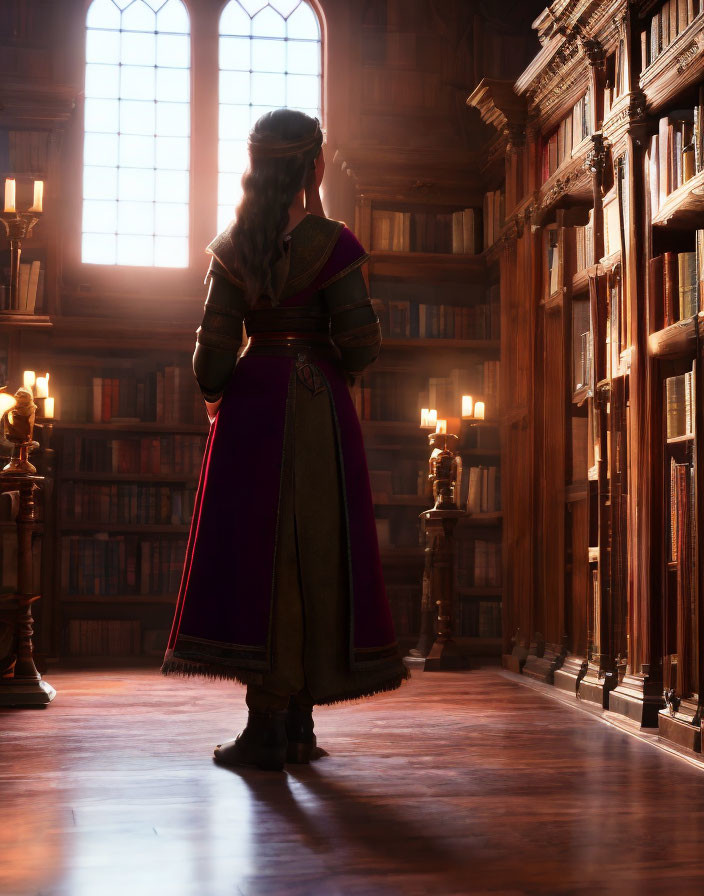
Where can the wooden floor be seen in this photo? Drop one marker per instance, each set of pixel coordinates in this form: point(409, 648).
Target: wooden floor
point(459, 783)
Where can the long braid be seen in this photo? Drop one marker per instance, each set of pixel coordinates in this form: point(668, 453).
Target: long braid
point(269, 186)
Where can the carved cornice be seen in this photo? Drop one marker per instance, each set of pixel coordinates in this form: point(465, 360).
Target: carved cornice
point(558, 77)
point(594, 51)
point(676, 68)
point(575, 34)
point(396, 170)
point(500, 107)
point(687, 56)
point(627, 116)
point(560, 188)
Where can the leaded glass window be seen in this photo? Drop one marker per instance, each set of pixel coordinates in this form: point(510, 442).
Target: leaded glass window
point(137, 133)
point(270, 57)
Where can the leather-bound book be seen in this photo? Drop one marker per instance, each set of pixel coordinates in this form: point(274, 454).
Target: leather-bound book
point(670, 288)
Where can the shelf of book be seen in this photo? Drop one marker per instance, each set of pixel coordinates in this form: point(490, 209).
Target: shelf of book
point(129, 449)
point(671, 56)
point(677, 341)
point(133, 426)
point(483, 346)
point(672, 80)
point(442, 293)
point(20, 320)
point(67, 476)
point(436, 266)
point(103, 526)
point(684, 207)
point(103, 599)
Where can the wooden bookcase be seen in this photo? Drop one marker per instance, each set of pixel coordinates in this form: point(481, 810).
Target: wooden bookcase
point(459, 304)
point(601, 273)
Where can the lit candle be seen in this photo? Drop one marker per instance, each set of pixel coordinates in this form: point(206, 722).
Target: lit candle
point(7, 401)
point(432, 418)
point(9, 194)
point(467, 404)
point(38, 196)
point(28, 379)
point(423, 418)
point(41, 389)
point(441, 427)
point(49, 406)
point(479, 410)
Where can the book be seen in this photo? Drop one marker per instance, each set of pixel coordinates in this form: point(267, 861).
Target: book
point(687, 284)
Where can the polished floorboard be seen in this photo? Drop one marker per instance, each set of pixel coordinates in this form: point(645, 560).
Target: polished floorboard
point(458, 783)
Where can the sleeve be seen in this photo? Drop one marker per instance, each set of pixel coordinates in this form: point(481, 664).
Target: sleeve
point(354, 325)
point(219, 335)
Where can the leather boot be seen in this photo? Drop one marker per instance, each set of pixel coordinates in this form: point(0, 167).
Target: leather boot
point(302, 744)
point(262, 743)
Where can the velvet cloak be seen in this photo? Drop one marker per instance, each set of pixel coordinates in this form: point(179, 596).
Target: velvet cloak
point(223, 620)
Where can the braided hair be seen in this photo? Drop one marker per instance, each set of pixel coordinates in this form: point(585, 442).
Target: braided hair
point(283, 146)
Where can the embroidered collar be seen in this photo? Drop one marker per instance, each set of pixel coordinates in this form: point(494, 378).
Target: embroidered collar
point(308, 246)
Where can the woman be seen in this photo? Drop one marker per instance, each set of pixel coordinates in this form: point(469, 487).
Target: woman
point(282, 586)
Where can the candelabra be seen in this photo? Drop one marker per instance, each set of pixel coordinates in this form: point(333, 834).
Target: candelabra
point(18, 227)
point(18, 428)
point(444, 473)
point(445, 469)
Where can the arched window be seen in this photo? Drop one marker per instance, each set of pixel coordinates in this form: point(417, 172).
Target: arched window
point(137, 132)
point(270, 56)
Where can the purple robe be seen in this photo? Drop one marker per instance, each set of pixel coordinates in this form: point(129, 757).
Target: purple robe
point(223, 618)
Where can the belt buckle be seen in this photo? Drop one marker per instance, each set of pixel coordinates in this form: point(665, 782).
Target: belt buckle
point(309, 374)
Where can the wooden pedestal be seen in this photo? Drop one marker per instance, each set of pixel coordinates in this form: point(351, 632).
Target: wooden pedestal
point(596, 686)
point(20, 682)
point(542, 668)
point(440, 525)
point(639, 699)
point(680, 731)
point(570, 674)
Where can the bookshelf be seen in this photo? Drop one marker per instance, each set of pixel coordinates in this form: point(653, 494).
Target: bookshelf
point(392, 111)
point(34, 115)
point(672, 80)
point(441, 323)
point(130, 438)
point(600, 266)
point(568, 270)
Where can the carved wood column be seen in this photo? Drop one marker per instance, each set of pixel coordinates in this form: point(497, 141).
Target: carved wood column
point(639, 693)
point(517, 324)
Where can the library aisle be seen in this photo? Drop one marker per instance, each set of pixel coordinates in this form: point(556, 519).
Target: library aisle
point(425, 790)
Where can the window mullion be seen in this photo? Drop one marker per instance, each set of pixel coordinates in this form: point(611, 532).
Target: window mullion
point(204, 121)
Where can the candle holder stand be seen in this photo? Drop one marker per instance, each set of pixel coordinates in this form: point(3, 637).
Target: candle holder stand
point(435, 642)
point(20, 682)
point(18, 227)
point(440, 524)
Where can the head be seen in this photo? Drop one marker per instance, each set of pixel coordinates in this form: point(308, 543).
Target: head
point(283, 147)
